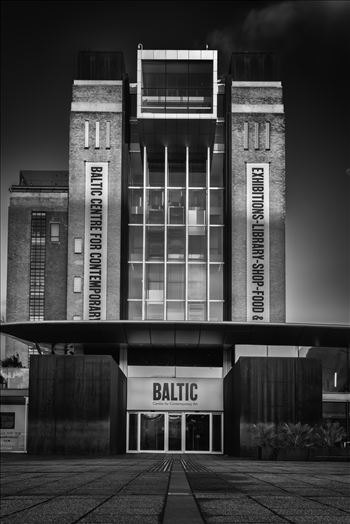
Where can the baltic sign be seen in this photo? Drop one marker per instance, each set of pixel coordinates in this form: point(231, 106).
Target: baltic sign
point(173, 394)
point(258, 243)
point(95, 264)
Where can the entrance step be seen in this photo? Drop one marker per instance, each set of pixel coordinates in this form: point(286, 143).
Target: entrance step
point(180, 505)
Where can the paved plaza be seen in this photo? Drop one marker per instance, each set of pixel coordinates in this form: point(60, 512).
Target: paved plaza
point(170, 489)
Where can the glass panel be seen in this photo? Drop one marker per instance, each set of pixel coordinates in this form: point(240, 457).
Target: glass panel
point(197, 243)
point(135, 243)
point(217, 169)
point(198, 170)
point(216, 206)
point(152, 432)
point(136, 168)
point(155, 168)
point(175, 310)
point(197, 311)
point(197, 432)
point(135, 281)
point(154, 311)
point(177, 167)
point(216, 444)
point(176, 243)
point(197, 283)
point(335, 368)
point(134, 310)
point(334, 412)
point(133, 431)
point(155, 243)
point(216, 282)
point(249, 351)
point(155, 206)
point(216, 244)
point(196, 207)
point(282, 351)
point(176, 206)
point(176, 281)
point(216, 311)
point(154, 282)
point(175, 432)
point(135, 206)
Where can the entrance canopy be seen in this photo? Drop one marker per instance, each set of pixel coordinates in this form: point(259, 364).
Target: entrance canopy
point(149, 334)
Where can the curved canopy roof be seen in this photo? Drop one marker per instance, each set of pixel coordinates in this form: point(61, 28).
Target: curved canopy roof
point(177, 334)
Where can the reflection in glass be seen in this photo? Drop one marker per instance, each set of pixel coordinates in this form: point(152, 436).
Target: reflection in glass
point(176, 282)
point(216, 444)
point(175, 310)
point(155, 243)
point(175, 432)
point(216, 244)
point(196, 207)
point(216, 282)
point(133, 431)
point(176, 243)
point(135, 206)
point(197, 282)
point(135, 310)
point(176, 206)
point(217, 169)
point(154, 282)
point(152, 432)
point(136, 169)
point(216, 311)
point(155, 206)
point(155, 173)
point(197, 311)
point(197, 432)
point(197, 243)
point(135, 281)
point(216, 206)
point(177, 167)
point(154, 311)
point(198, 170)
point(335, 368)
point(135, 243)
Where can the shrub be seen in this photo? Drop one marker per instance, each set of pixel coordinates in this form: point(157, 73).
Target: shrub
point(295, 435)
point(264, 434)
point(329, 434)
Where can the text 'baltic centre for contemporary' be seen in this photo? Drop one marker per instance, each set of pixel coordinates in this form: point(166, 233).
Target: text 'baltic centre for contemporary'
point(151, 276)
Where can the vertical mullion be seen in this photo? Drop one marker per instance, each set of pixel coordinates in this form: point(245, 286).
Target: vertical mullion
point(208, 232)
point(144, 232)
point(165, 227)
point(186, 233)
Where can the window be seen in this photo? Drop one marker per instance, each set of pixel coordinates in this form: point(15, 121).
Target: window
point(246, 135)
point(256, 135)
point(78, 245)
point(86, 143)
point(37, 266)
point(77, 284)
point(267, 135)
point(7, 420)
point(54, 232)
point(97, 135)
point(108, 135)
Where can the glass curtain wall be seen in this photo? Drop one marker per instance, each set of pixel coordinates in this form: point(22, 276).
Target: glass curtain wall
point(176, 223)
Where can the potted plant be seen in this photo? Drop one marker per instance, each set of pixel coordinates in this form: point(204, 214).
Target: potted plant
point(295, 440)
point(329, 437)
point(265, 438)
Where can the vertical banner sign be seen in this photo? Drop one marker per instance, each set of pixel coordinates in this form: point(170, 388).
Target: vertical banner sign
point(95, 264)
point(258, 243)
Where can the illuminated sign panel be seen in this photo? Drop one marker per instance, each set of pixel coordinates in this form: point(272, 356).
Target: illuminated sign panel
point(258, 243)
point(96, 216)
point(175, 394)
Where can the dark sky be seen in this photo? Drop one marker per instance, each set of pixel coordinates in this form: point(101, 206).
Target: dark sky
point(40, 43)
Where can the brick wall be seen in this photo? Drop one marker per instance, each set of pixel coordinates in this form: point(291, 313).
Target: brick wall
point(90, 103)
point(261, 96)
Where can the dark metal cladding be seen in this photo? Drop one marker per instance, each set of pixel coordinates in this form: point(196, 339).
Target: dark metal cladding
point(100, 65)
point(254, 66)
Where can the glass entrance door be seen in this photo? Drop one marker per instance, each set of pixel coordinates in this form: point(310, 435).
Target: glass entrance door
point(174, 432)
point(197, 432)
